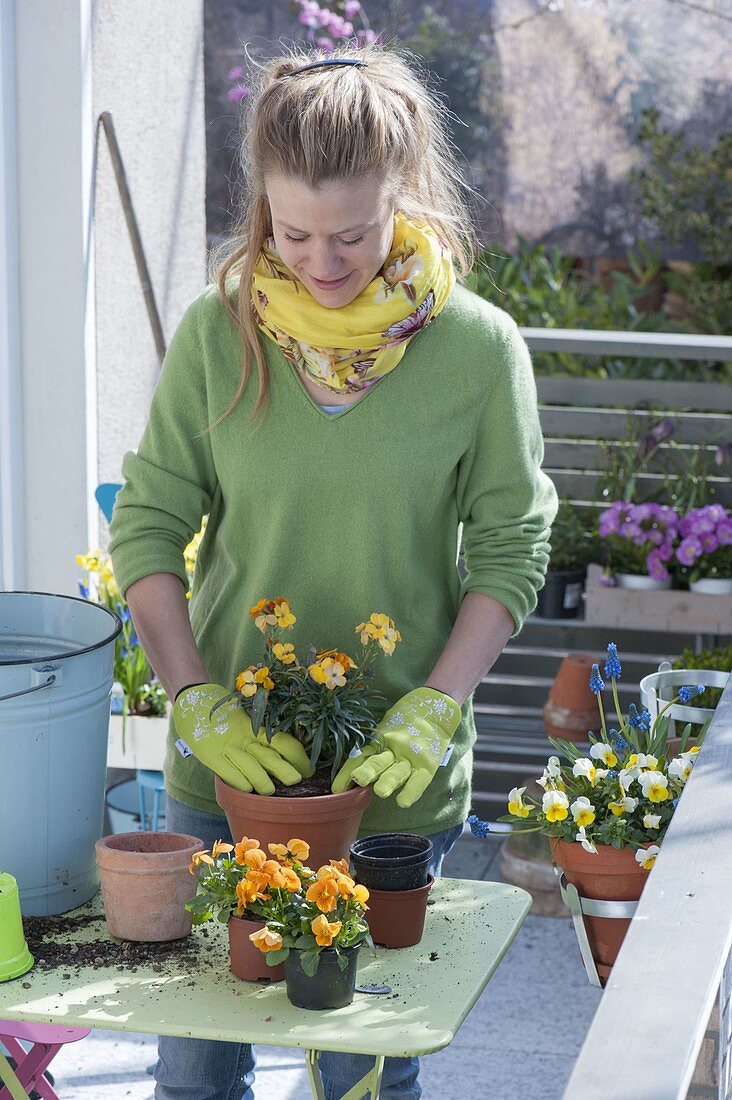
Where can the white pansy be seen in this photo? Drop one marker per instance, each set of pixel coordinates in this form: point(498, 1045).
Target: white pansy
point(584, 840)
point(555, 805)
point(552, 773)
point(627, 776)
point(648, 780)
point(680, 767)
point(583, 811)
point(584, 768)
point(601, 751)
point(651, 821)
point(646, 857)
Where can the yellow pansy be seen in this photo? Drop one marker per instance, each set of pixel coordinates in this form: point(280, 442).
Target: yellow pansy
point(655, 786)
point(583, 811)
point(324, 892)
point(647, 856)
point(261, 676)
point(294, 849)
point(555, 805)
point(516, 802)
point(623, 806)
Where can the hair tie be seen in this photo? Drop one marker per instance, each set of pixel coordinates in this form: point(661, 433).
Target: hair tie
point(329, 61)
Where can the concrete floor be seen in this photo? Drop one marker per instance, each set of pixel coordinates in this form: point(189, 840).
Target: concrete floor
point(521, 1038)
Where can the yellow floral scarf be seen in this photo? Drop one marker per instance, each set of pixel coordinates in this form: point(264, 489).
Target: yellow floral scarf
point(349, 348)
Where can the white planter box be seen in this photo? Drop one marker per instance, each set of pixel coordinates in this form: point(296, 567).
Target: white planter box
point(144, 742)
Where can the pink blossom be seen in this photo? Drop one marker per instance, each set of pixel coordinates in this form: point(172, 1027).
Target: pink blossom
point(235, 73)
point(235, 95)
point(325, 44)
point(351, 8)
point(365, 37)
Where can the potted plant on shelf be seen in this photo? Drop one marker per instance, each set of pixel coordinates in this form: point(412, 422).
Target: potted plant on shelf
point(314, 924)
point(574, 544)
point(138, 725)
point(606, 812)
point(705, 550)
point(639, 541)
point(322, 705)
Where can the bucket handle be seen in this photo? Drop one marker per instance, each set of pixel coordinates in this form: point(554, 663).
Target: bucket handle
point(27, 691)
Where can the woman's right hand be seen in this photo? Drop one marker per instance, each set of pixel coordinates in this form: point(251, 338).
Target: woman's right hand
point(223, 740)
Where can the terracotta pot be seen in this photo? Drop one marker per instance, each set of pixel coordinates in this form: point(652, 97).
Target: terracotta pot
point(396, 917)
point(329, 823)
point(146, 884)
point(571, 708)
point(247, 961)
point(611, 874)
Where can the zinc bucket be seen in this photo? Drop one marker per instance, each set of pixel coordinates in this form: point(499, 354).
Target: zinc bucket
point(56, 666)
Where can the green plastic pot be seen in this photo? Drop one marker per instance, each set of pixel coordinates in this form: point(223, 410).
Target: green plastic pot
point(15, 958)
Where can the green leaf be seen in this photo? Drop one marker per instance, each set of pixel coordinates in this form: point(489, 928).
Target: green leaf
point(258, 708)
point(274, 958)
point(309, 961)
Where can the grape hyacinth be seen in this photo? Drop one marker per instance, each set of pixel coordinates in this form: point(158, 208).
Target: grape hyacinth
point(478, 828)
point(689, 692)
point(638, 721)
point(612, 664)
point(597, 683)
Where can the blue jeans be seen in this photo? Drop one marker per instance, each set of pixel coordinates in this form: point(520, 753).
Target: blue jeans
point(205, 1069)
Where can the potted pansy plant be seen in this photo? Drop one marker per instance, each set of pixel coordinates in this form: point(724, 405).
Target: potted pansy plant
point(705, 550)
point(606, 812)
point(639, 542)
point(278, 739)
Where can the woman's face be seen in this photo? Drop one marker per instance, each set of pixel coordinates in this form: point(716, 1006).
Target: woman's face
point(334, 238)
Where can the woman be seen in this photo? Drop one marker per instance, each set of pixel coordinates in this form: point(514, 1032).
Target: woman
point(338, 405)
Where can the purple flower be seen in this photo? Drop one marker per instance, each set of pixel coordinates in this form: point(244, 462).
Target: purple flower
point(366, 37)
point(606, 581)
point(235, 95)
point(235, 73)
point(351, 8)
point(689, 550)
point(662, 431)
point(655, 566)
point(710, 543)
point(665, 552)
point(724, 532)
point(596, 682)
point(702, 525)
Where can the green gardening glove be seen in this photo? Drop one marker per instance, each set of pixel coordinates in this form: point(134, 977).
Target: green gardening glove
point(225, 742)
point(413, 737)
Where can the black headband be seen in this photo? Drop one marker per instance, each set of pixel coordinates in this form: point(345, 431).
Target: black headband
point(329, 61)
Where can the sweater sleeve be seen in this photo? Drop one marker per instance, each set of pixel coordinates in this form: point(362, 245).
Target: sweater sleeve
point(170, 480)
point(506, 503)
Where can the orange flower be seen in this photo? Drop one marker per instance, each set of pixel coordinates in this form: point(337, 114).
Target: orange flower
point(336, 655)
point(198, 859)
point(220, 847)
point(262, 613)
point(246, 892)
point(340, 865)
point(244, 845)
point(294, 849)
point(361, 895)
point(324, 931)
point(245, 682)
point(255, 858)
point(266, 940)
point(324, 892)
point(261, 881)
point(292, 882)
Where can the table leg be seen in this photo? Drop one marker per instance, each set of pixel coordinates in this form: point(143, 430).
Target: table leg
point(9, 1079)
point(370, 1083)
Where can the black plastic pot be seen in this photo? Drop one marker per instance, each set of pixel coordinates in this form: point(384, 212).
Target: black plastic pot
point(561, 596)
point(330, 987)
point(391, 861)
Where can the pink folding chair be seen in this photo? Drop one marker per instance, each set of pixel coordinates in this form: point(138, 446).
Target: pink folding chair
point(46, 1040)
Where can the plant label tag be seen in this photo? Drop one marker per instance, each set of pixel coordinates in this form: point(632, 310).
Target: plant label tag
point(183, 748)
point(572, 596)
point(446, 758)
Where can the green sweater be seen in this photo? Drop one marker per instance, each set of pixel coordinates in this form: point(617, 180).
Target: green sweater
point(343, 514)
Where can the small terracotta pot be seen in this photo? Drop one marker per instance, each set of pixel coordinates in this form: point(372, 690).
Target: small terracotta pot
point(247, 961)
point(396, 917)
point(146, 884)
point(571, 709)
point(611, 874)
point(329, 823)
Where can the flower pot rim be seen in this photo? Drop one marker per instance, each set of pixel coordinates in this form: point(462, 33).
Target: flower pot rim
point(313, 805)
point(419, 855)
point(116, 842)
point(413, 892)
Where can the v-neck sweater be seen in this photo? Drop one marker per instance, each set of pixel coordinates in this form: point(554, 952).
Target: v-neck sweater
point(343, 513)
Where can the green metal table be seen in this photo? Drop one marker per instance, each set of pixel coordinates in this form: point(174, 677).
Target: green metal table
point(469, 927)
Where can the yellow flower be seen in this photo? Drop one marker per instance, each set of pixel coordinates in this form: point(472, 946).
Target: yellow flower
point(336, 655)
point(381, 629)
point(646, 857)
point(516, 802)
point(601, 751)
point(324, 931)
point(361, 894)
point(245, 682)
point(655, 786)
point(283, 615)
point(261, 676)
point(284, 652)
point(583, 812)
point(263, 616)
point(555, 805)
point(294, 849)
point(266, 940)
point(328, 672)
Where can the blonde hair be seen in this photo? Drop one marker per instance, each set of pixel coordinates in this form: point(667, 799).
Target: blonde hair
point(340, 123)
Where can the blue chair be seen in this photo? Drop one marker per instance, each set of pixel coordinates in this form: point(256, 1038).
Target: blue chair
point(105, 495)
